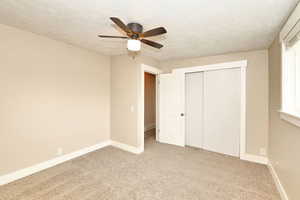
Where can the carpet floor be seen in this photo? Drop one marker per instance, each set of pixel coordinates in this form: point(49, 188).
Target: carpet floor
point(162, 172)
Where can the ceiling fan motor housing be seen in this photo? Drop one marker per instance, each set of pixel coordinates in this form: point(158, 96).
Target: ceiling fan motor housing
point(136, 28)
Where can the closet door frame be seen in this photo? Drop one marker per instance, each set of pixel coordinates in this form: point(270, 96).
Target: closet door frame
point(242, 64)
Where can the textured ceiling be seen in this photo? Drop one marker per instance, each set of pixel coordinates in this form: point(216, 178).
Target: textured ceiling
point(195, 27)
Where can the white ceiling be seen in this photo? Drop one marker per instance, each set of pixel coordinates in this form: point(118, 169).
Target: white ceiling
point(195, 27)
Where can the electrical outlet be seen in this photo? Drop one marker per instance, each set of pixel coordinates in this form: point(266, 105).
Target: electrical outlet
point(59, 151)
point(263, 151)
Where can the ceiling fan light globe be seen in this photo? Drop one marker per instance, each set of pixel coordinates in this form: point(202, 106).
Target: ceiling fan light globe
point(134, 45)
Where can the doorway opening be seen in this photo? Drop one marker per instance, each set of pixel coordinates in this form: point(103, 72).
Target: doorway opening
point(149, 106)
point(155, 127)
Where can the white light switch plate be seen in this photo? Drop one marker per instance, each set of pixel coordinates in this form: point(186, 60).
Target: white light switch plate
point(131, 108)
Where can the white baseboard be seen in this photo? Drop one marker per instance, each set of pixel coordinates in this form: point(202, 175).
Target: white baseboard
point(254, 158)
point(149, 127)
point(58, 160)
point(126, 147)
point(50, 163)
point(278, 184)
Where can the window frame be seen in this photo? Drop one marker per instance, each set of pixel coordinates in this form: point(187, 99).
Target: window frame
point(290, 29)
point(287, 115)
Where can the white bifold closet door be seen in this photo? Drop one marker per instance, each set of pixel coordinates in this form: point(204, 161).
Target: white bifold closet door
point(222, 112)
point(194, 109)
point(213, 115)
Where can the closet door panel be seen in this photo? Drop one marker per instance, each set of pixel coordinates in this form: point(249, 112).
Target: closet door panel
point(222, 104)
point(194, 109)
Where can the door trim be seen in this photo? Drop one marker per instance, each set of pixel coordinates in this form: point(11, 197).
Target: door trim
point(227, 65)
point(141, 99)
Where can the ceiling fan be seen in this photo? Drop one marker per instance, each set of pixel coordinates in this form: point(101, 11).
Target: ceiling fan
point(135, 35)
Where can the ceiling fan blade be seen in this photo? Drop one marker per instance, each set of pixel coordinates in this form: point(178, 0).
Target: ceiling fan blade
point(151, 43)
point(154, 32)
point(120, 24)
point(108, 36)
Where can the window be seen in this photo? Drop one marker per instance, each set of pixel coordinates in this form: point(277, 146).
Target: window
point(291, 80)
point(290, 39)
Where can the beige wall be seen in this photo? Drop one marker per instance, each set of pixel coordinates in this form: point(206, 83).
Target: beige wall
point(284, 138)
point(150, 101)
point(52, 95)
point(125, 91)
point(256, 92)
